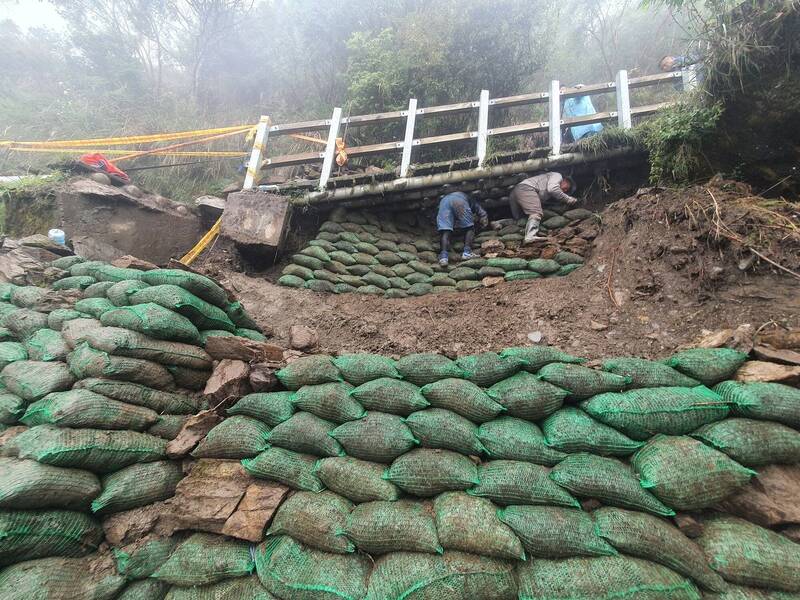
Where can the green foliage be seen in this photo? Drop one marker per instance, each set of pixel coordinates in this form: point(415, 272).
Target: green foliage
point(676, 138)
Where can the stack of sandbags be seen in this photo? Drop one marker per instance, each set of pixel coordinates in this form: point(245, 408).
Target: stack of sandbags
point(477, 473)
point(385, 254)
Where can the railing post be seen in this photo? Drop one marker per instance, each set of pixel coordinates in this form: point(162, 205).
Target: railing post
point(259, 149)
point(483, 126)
point(623, 100)
point(408, 141)
point(555, 118)
point(330, 148)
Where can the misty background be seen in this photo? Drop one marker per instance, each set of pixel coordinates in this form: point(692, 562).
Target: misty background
point(90, 68)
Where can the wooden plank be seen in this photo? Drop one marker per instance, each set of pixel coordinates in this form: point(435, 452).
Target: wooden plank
point(658, 78)
point(649, 109)
point(374, 148)
point(447, 108)
point(444, 139)
point(520, 129)
point(520, 100)
point(318, 125)
point(360, 120)
point(289, 160)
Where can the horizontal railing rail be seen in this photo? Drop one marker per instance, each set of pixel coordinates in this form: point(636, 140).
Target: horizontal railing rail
point(553, 125)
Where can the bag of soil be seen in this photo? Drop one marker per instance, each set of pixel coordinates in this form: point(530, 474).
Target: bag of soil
point(32, 380)
point(137, 485)
point(441, 428)
point(648, 373)
point(30, 534)
point(286, 467)
point(707, 365)
point(124, 342)
point(462, 397)
point(27, 484)
point(488, 368)
point(199, 285)
point(153, 320)
point(46, 345)
point(390, 396)
point(357, 480)
point(686, 474)
point(571, 430)
point(330, 401)
point(316, 519)
point(81, 408)
point(608, 480)
point(516, 439)
point(141, 395)
point(120, 293)
point(525, 396)
point(767, 401)
point(507, 482)
point(358, 369)
point(58, 579)
point(582, 382)
point(272, 408)
point(381, 527)
point(86, 362)
point(752, 443)
point(203, 315)
point(206, 558)
point(234, 438)
point(421, 369)
point(378, 437)
point(427, 473)
point(305, 433)
point(309, 370)
point(141, 559)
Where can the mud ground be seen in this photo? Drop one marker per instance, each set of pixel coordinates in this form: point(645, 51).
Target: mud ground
point(658, 276)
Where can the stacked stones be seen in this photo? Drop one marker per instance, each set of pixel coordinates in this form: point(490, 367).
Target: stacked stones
point(395, 255)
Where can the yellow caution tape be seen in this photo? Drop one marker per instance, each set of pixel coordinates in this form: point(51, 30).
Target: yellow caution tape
point(109, 152)
point(192, 254)
point(134, 139)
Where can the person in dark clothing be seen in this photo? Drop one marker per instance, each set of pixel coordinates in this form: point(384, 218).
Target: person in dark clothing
point(460, 213)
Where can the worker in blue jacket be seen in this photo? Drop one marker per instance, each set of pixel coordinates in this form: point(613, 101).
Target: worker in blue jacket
point(581, 106)
point(461, 213)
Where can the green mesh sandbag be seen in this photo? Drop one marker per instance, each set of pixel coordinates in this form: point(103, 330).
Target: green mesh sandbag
point(516, 439)
point(372, 290)
point(305, 433)
point(116, 274)
point(124, 342)
point(442, 428)
point(85, 362)
point(567, 269)
point(190, 379)
point(358, 369)
point(582, 382)
point(74, 331)
point(464, 274)
point(81, 408)
point(421, 267)
point(120, 293)
point(508, 482)
point(331, 401)
point(363, 258)
point(767, 401)
point(521, 275)
point(12, 407)
point(316, 252)
point(241, 318)
point(425, 473)
point(168, 426)
point(206, 558)
point(309, 370)
point(199, 285)
point(747, 554)
point(137, 485)
point(143, 557)
point(555, 531)
point(272, 408)
point(250, 334)
point(439, 279)
point(569, 429)
point(640, 414)
point(23, 323)
point(46, 345)
point(342, 257)
point(203, 315)
point(391, 396)
point(544, 266)
point(752, 443)
point(11, 352)
point(421, 369)
point(602, 578)
point(524, 395)
point(316, 519)
point(235, 437)
point(488, 368)
point(648, 373)
point(6, 335)
point(6, 291)
point(153, 320)
point(645, 536)
point(707, 365)
point(146, 589)
point(381, 527)
point(608, 480)
point(32, 380)
point(6, 310)
point(98, 290)
point(240, 588)
point(377, 280)
point(355, 479)
point(57, 318)
point(27, 484)
point(27, 296)
point(67, 262)
point(462, 397)
point(91, 449)
point(289, 569)
point(29, 534)
point(378, 437)
point(568, 258)
point(470, 524)
point(508, 264)
point(287, 467)
point(418, 289)
point(418, 576)
point(686, 474)
point(76, 282)
point(140, 395)
point(299, 271)
point(95, 307)
point(58, 579)
point(86, 267)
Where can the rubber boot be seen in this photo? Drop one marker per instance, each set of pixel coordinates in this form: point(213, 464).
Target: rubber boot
point(531, 229)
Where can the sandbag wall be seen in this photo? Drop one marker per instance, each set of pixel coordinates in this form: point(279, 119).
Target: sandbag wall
point(395, 254)
point(522, 474)
point(92, 391)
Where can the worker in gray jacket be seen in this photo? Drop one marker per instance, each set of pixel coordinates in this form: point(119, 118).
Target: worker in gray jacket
point(529, 195)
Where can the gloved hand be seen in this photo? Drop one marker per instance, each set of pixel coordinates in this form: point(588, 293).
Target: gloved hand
point(484, 222)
